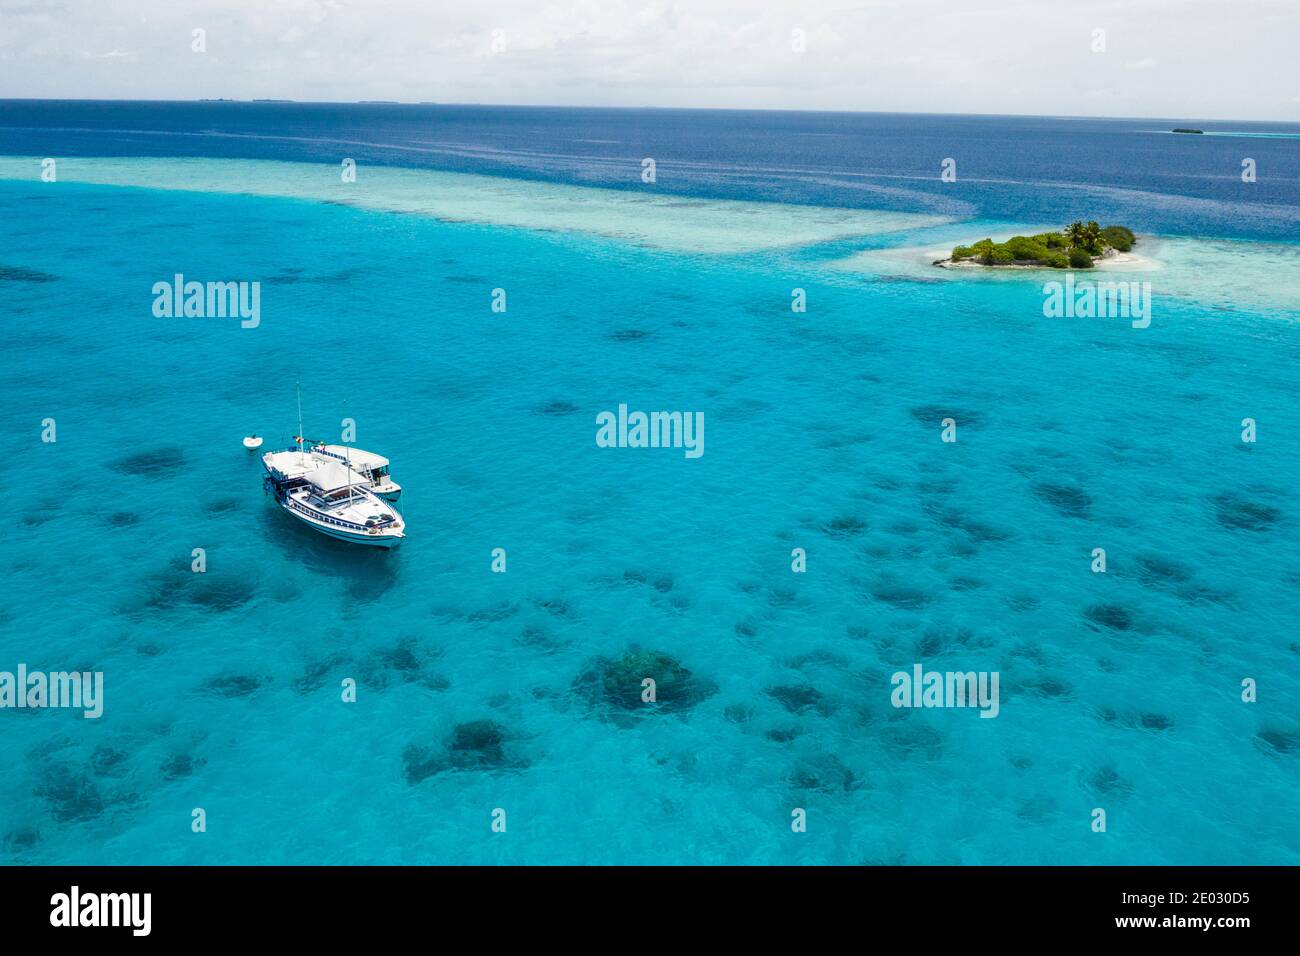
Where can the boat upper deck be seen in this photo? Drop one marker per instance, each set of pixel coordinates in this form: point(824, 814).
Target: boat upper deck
point(360, 459)
point(293, 463)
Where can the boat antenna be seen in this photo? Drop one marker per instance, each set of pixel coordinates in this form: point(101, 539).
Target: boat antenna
point(347, 453)
point(302, 442)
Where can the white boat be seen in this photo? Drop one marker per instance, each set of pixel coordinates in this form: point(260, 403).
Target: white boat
point(373, 468)
point(332, 498)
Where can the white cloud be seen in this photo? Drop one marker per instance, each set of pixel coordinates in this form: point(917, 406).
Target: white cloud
point(1021, 56)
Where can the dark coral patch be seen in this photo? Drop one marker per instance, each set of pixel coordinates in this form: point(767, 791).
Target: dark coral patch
point(286, 276)
point(825, 773)
point(1069, 501)
point(908, 599)
point(540, 639)
point(557, 408)
point(1157, 571)
point(1242, 514)
point(930, 644)
point(420, 764)
point(1037, 809)
point(21, 840)
point(1045, 685)
point(1106, 782)
point(1155, 722)
point(738, 713)
point(660, 581)
point(781, 597)
point(34, 519)
point(71, 795)
point(935, 414)
point(556, 607)
point(316, 673)
point(978, 531)
point(21, 274)
point(477, 745)
point(1278, 741)
point(820, 657)
point(233, 685)
point(783, 735)
point(491, 615)
point(616, 683)
point(800, 698)
point(221, 592)
point(107, 761)
point(403, 662)
point(844, 526)
point(179, 766)
point(1112, 616)
point(1201, 594)
point(399, 657)
point(908, 737)
point(163, 462)
point(982, 532)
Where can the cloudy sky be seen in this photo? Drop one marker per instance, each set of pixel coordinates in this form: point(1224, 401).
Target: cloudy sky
point(1167, 58)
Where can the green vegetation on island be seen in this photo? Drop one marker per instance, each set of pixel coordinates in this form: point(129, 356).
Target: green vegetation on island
point(1077, 246)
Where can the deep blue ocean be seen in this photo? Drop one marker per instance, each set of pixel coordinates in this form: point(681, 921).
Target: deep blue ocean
point(1120, 691)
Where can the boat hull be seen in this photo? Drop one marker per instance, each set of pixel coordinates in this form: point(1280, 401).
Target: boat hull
point(378, 540)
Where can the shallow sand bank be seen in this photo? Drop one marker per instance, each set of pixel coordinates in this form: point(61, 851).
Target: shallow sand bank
point(642, 215)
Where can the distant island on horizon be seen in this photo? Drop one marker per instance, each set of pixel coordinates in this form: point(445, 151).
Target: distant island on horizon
point(1289, 122)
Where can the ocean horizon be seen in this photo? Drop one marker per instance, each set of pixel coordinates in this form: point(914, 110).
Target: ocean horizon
point(899, 466)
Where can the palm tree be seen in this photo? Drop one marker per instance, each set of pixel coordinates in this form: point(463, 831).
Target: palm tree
point(1077, 233)
point(1092, 237)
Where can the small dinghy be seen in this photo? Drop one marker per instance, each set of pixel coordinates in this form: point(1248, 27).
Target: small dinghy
point(252, 441)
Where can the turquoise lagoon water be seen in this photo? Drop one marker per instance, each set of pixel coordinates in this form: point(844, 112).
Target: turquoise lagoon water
point(1118, 690)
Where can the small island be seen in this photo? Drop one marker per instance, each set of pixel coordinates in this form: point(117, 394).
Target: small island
point(1183, 129)
point(1078, 246)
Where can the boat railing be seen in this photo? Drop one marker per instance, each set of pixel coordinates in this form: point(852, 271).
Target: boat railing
point(328, 519)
